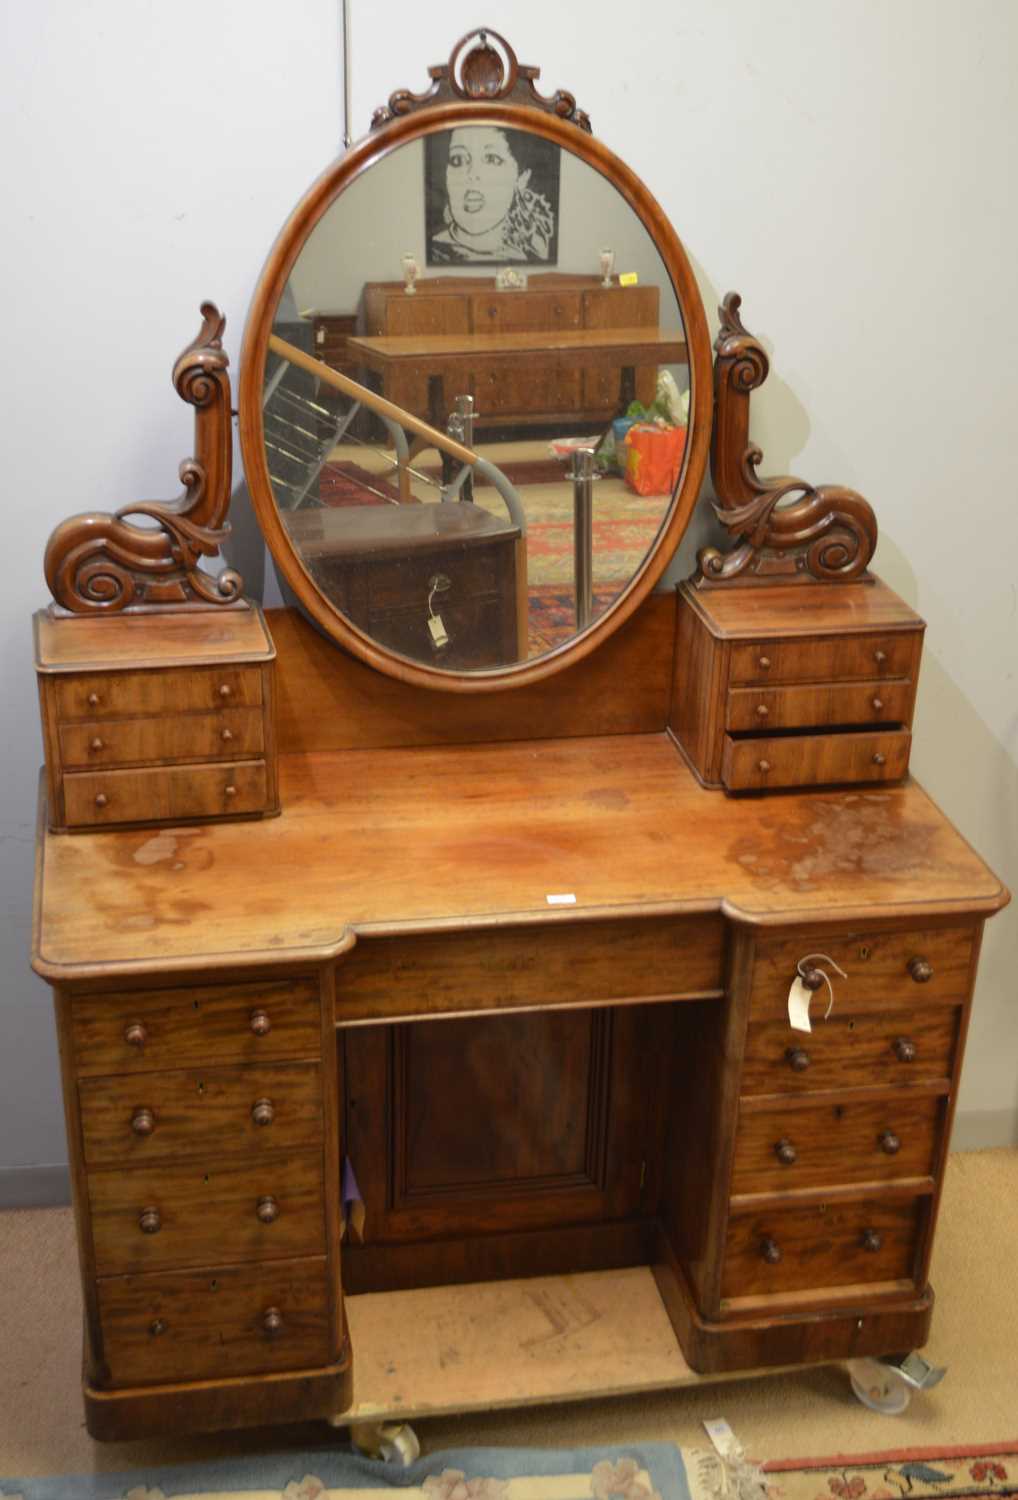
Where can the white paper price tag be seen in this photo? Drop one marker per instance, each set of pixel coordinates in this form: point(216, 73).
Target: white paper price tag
point(798, 1006)
point(439, 634)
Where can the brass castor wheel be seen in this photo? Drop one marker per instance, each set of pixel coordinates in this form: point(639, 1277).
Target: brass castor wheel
point(389, 1442)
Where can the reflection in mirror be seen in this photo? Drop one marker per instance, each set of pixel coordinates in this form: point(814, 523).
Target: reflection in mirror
point(476, 313)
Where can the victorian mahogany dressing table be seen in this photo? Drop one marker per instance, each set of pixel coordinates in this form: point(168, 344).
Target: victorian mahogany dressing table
point(502, 939)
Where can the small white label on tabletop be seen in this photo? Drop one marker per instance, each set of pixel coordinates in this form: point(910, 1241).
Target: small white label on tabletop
point(567, 899)
point(720, 1434)
point(798, 1006)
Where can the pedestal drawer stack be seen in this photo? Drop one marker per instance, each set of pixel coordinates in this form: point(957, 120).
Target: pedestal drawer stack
point(200, 1117)
point(841, 1132)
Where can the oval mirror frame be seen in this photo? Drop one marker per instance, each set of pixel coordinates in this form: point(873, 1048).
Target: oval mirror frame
point(360, 158)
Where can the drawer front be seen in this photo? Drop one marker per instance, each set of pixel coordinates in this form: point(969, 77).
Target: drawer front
point(234, 731)
point(764, 708)
point(819, 659)
point(105, 695)
point(780, 1250)
point(814, 759)
point(543, 388)
point(526, 312)
point(779, 1150)
point(201, 1111)
point(148, 1030)
point(888, 971)
point(433, 313)
point(161, 1218)
point(847, 1051)
point(581, 963)
point(165, 793)
point(190, 1325)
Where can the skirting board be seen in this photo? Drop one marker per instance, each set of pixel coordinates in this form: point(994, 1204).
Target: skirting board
point(981, 1129)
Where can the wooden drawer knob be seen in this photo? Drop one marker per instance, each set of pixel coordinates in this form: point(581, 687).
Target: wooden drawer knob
point(764, 663)
point(786, 1153)
point(879, 759)
point(763, 765)
point(143, 1122)
point(880, 657)
point(920, 970)
point(135, 1034)
point(150, 1221)
point(272, 1322)
point(904, 1049)
point(226, 735)
point(94, 700)
point(770, 1251)
point(798, 1059)
point(870, 1240)
point(812, 978)
point(267, 1210)
point(263, 1112)
point(225, 691)
point(878, 703)
point(157, 1327)
point(97, 744)
point(890, 1144)
point(229, 790)
point(260, 1023)
point(102, 800)
point(762, 711)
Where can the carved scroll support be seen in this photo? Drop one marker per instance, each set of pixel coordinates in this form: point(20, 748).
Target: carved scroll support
point(483, 68)
point(100, 562)
point(786, 530)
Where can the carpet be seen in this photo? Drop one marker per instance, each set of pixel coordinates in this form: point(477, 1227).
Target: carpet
point(971, 1471)
point(348, 484)
point(649, 1471)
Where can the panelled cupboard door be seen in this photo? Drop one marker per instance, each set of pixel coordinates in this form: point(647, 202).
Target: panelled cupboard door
point(490, 1124)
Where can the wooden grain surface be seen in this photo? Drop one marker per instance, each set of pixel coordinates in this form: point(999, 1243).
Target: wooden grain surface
point(852, 1051)
point(177, 638)
point(431, 839)
point(795, 609)
point(445, 352)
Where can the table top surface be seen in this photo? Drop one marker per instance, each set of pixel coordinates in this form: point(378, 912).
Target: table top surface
point(453, 838)
point(650, 343)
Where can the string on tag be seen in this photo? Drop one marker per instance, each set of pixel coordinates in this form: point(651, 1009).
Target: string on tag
point(811, 959)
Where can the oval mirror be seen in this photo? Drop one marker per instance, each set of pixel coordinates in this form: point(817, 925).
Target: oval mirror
point(475, 395)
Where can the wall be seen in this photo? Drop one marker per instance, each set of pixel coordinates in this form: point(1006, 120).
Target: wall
point(844, 164)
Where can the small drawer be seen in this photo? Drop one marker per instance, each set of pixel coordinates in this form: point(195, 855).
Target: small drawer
point(765, 708)
point(886, 971)
point(814, 759)
point(105, 695)
point(826, 659)
point(148, 1030)
point(235, 1320)
point(200, 1112)
point(161, 1218)
point(847, 1052)
point(778, 1150)
point(118, 742)
point(164, 794)
point(780, 1250)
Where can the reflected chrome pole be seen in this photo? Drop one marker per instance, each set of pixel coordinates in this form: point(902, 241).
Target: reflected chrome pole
point(347, 133)
point(583, 533)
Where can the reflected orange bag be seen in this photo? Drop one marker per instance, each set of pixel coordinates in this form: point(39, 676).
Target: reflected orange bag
point(653, 458)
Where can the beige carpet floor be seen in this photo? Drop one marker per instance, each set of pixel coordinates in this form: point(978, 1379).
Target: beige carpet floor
point(809, 1413)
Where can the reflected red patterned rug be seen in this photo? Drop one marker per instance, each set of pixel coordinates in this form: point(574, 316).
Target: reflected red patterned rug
point(970, 1471)
point(348, 484)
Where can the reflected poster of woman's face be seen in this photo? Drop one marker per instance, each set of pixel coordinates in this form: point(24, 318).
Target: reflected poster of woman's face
point(491, 196)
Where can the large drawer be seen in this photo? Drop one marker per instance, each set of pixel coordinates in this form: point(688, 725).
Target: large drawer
point(826, 659)
point(118, 694)
point(208, 736)
point(579, 963)
point(887, 971)
point(142, 1031)
point(814, 759)
point(194, 1214)
point(232, 1320)
point(774, 1251)
point(163, 794)
point(848, 1051)
point(763, 708)
point(781, 1149)
point(201, 1112)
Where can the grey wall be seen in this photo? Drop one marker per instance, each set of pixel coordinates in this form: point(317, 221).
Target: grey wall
point(845, 164)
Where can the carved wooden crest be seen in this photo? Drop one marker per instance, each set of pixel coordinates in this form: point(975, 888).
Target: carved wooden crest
point(482, 67)
point(101, 562)
point(828, 533)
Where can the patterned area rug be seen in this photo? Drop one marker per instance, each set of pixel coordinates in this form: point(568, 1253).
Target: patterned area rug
point(917, 1473)
point(649, 1471)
